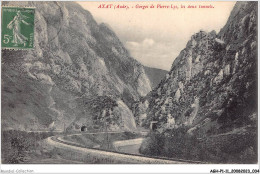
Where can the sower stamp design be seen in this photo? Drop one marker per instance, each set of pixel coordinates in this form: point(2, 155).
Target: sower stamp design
point(17, 27)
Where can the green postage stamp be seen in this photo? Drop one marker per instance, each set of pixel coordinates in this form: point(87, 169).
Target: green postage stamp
point(17, 27)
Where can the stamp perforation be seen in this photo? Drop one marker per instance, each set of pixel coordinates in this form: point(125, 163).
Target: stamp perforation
point(17, 6)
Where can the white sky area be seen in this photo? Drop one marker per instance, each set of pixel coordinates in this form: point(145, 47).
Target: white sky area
point(156, 36)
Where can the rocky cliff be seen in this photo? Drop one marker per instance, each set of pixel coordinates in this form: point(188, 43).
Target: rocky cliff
point(211, 90)
point(75, 60)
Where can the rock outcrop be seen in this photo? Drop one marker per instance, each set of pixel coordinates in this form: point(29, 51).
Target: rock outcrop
point(73, 60)
point(211, 88)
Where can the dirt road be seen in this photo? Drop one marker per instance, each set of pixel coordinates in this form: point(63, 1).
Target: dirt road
point(110, 156)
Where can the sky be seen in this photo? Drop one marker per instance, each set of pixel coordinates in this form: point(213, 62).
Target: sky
point(155, 36)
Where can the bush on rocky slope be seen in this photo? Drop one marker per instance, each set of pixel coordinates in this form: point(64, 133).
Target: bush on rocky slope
point(229, 148)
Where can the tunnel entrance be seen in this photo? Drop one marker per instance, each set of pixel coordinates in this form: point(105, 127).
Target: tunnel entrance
point(153, 125)
point(84, 128)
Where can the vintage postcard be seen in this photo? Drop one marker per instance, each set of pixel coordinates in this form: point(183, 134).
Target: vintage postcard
point(154, 82)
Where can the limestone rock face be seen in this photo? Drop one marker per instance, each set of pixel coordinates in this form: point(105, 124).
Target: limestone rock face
point(207, 105)
point(212, 85)
point(74, 58)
